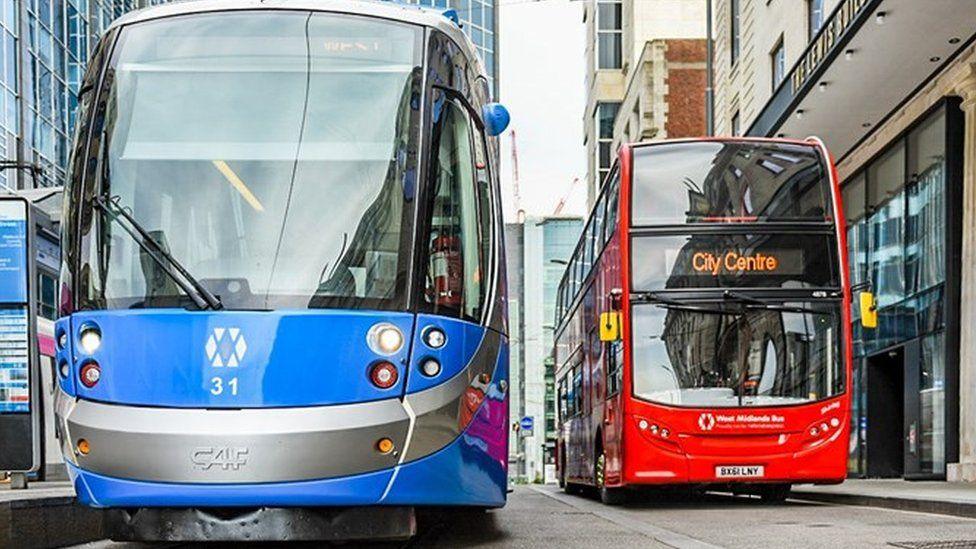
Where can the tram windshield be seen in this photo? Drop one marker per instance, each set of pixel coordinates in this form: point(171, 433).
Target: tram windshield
point(272, 154)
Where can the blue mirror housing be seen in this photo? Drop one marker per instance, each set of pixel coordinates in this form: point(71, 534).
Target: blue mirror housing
point(496, 118)
point(452, 14)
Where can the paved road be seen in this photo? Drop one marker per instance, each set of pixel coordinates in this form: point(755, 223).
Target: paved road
point(543, 517)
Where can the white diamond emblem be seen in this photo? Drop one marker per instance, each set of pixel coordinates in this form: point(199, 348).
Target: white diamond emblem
point(225, 347)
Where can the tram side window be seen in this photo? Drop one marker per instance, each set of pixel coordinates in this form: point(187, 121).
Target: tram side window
point(455, 272)
point(485, 213)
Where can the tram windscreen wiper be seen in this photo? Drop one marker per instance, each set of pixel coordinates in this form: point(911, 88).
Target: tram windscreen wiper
point(197, 292)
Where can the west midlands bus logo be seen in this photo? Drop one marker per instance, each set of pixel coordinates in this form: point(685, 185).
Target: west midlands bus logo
point(226, 347)
point(706, 421)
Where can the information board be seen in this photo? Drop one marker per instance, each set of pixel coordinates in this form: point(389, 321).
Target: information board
point(19, 444)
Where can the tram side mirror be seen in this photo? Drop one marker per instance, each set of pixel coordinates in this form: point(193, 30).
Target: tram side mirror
point(869, 310)
point(610, 326)
point(496, 118)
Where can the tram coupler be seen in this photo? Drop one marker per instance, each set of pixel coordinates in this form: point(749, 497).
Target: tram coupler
point(153, 524)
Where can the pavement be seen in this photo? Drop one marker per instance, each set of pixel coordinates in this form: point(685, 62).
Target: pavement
point(45, 515)
point(944, 498)
point(542, 516)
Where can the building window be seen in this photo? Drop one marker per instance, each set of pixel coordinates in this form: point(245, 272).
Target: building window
point(606, 113)
point(734, 29)
point(815, 17)
point(46, 295)
point(610, 35)
point(778, 58)
point(735, 123)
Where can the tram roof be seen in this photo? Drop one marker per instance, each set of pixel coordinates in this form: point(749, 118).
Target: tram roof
point(396, 11)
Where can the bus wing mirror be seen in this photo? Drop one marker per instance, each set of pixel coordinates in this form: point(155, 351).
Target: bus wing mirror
point(496, 118)
point(610, 326)
point(869, 310)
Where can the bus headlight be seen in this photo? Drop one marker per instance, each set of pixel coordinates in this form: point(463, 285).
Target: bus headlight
point(91, 338)
point(385, 339)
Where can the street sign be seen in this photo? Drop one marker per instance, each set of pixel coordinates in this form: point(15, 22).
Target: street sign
point(526, 424)
point(19, 380)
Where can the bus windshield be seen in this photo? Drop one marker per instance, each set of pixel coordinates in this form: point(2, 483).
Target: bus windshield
point(719, 354)
point(270, 153)
point(729, 181)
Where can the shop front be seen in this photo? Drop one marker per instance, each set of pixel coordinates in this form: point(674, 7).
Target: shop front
point(892, 92)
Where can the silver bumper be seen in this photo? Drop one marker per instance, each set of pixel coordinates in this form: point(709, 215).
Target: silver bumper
point(194, 445)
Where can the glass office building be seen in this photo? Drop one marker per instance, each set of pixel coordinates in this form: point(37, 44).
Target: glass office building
point(479, 20)
point(45, 46)
point(44, 50)
point(903, 211)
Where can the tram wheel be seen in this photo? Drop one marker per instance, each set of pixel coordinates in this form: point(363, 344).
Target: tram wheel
point(775, 493)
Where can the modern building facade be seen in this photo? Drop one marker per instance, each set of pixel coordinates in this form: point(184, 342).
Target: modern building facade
point(890, 86)
point(538, 249)
point(617, 58)
point(44, 47)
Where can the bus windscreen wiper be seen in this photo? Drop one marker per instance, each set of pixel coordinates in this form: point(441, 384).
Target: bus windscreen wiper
point(673, 304)
point(750, 302)
point(197, 292)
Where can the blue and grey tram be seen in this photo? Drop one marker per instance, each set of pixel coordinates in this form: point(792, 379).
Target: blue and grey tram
point(283, 268)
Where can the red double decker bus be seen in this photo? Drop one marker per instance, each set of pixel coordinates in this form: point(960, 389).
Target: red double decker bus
point(703, 324)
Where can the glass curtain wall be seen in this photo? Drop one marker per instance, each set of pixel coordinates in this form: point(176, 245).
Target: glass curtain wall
point(896, 229)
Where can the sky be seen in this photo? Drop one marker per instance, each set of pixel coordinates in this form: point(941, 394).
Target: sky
point(541, 49)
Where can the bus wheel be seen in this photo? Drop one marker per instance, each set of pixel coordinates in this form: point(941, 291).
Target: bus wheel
point(775, 493)
point(609, 496)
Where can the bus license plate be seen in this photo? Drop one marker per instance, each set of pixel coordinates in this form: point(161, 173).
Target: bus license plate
point(740, 471)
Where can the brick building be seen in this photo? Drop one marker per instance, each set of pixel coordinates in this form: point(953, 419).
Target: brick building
point(665, 93)
point(645, 61)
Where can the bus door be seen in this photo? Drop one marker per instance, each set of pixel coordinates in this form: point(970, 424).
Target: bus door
point(613, 414)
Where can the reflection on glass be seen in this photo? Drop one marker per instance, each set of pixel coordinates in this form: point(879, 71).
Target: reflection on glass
point(233, 138)
point(712, 181)
point(931, 444)
point(736, 356)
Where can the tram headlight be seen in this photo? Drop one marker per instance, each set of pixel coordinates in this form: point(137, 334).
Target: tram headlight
point(385, 339)
point(435, 338)
point(430, 367)
point(90, 374)
point(91, 338)
point(383, 374)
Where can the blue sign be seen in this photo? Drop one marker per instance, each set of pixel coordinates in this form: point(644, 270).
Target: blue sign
point(14, 361)
point(527, 423)
point(14, 328)
point(13, 252)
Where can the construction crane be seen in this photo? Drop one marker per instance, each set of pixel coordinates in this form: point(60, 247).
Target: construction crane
point(565, 197)
point(516, 191)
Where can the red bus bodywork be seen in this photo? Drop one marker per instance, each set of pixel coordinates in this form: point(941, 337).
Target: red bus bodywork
point(699, 440)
